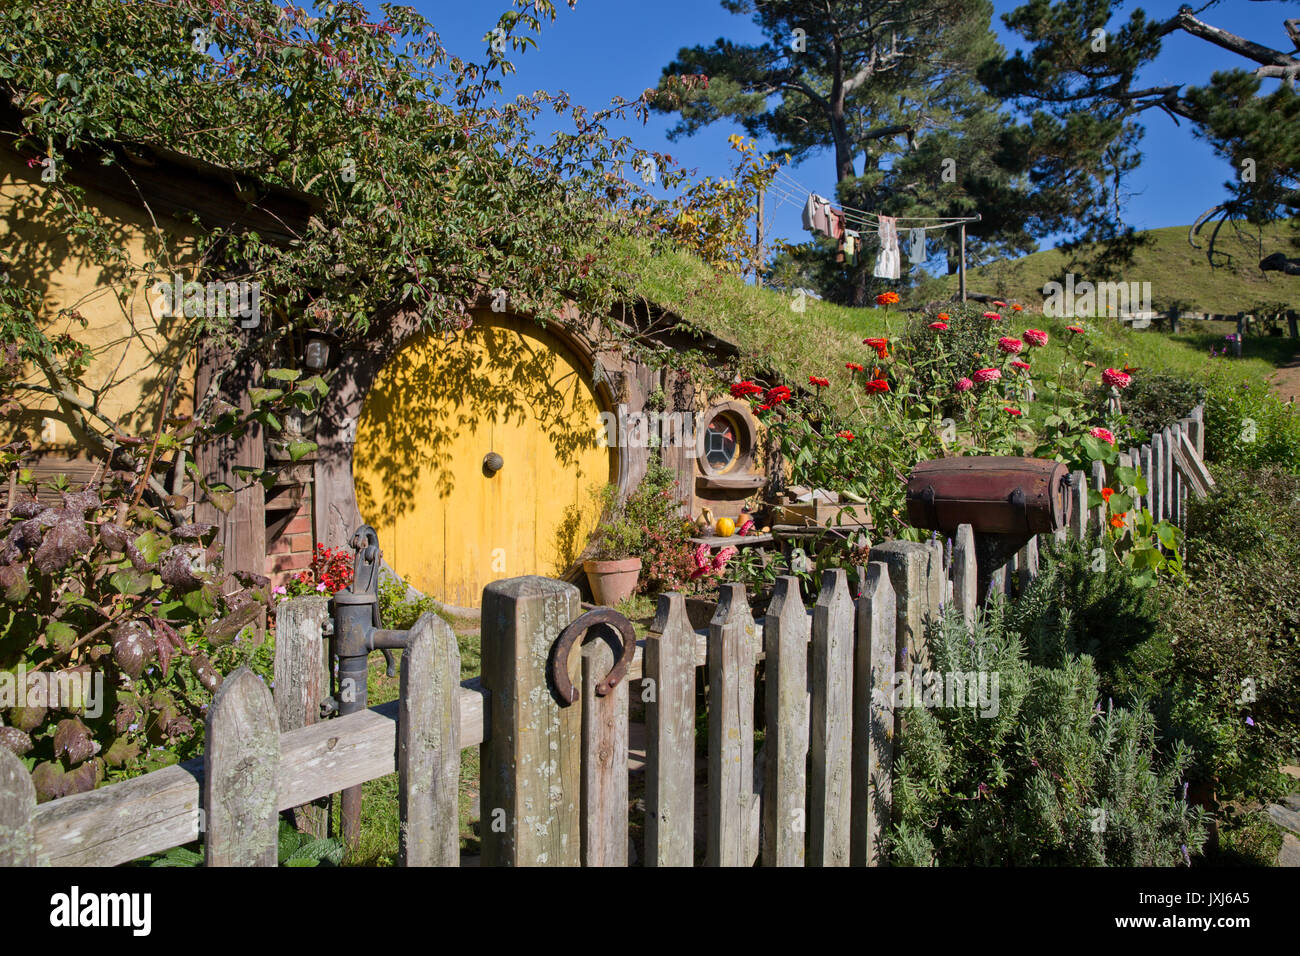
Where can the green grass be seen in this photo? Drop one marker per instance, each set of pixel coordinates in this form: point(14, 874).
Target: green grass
point(1179, 275)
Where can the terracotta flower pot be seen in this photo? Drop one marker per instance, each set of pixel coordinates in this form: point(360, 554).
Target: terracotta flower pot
point(612, 581)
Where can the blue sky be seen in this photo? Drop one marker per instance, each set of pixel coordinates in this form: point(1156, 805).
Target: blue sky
point(605, 48)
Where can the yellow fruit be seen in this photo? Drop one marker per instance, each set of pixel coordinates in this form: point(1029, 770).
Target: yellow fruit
point(726, 527)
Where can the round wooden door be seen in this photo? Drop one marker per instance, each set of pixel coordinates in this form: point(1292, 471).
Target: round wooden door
point(450, 518)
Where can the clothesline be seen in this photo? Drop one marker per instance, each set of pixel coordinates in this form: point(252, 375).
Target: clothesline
point(871, 218)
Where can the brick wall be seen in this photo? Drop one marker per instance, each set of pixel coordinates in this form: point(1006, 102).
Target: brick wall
point(290, 550)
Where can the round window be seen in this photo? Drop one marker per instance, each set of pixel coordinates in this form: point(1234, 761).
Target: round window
point(720, 446)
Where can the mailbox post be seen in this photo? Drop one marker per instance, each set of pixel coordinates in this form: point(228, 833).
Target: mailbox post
point(1005, 500)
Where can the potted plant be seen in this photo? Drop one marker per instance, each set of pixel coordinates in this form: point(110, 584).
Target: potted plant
point(614, 566)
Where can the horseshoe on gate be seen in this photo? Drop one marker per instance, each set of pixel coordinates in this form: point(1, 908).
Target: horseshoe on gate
point(612, 621)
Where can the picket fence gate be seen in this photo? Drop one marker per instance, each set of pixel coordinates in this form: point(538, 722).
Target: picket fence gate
point(554, 775)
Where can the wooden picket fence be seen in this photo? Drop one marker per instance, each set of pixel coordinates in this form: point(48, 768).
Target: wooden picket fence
point(554, 776)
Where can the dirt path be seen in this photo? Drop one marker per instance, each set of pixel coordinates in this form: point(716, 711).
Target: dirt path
point(1285, 382)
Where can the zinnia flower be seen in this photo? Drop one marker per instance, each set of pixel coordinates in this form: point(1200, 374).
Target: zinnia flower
point(1115, 378)
point(1009, 345)
point(741, 389)
point(987, 375)
point(1103, 433)
point(964, 385)
point(877, 385)
point(993, 315)
point(846, 435)
point(777, 395)
point(1076, 329)
point(854, 367)
point(819, 382)
point(939, 326)
point(1036, 337)
point(887, 298)
point(1018, 308)
point(943, 316)
point(999, 303)
point(1012, 411)
point(723, 556)
point(1023, 366)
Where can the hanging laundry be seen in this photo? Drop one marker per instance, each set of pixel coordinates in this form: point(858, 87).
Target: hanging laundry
point(889, 262)
point(851, 244)
point(817, 215)
point(917, 254)
point(837, 223)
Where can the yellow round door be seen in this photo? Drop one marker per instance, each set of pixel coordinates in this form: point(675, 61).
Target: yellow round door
point(481, 457)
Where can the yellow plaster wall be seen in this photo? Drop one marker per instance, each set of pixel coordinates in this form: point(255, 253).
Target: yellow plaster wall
point(135, 349)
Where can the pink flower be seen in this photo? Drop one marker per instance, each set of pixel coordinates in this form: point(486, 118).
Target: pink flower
point(724, 554)
point(964, 385)
point(939, 326)
point(1075, 329)
point(1036, 337)
point(1023, 366)
point(987, 375)
point(321, 586)
point(702, 556)
point(1115, 378)
point(1009, 345)
point(280, 589)
point(1103, 434)
point(993, 315)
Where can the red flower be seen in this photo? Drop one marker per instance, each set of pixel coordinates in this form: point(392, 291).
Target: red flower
point(877, 385)
point(777, 395)
point(854, 367)
point(1018, 308)
point(1103, 433)
point(846, 435)
point(943, 316)
point(741, 389)
point(1115, 378)
point(999, 303)
point(939, 326)
point(1075, 329)
point(1036, 337)
point(993, 315)
point(1009, 345)
point(1106, 493)
point(964, 385)
point(1023, 366)
point(987, 375)
point(1117, 520)
point(880, 345)
point(819, 382)
point(887, 298)
point(1012, 411)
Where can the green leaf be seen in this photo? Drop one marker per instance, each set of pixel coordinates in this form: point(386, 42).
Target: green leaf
point(222, 500)
point(152, 545)
point(283, 374)
point(299, 448)
point(1140, 485)
point(1120, 503)
point(198, 603)
point(1125, 475)
point(260, 396)
point(130, 581)
point(315, 382)
point(61, 635)
point(1168, 535)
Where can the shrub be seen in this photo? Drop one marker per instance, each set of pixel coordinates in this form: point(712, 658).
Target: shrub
point(1154, 400)
point(649, 525)
point(1247, 427)
point(1051, 778)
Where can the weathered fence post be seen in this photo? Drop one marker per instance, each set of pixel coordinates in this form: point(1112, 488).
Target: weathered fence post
point(1027, 563)
point(1197, 433)
point(1097, 517)
point(17, 806)
point(875, 662)
point(831, 751)
point(428, 746)
point(965, 575)
point(604, 758)
point(916, 580)
point(241, 768)
point(670, 736)
point(731, 728)
point(302, 682)
point(1171, 474)
point(531, 784)
point(1079, 512)
point(785, 647)
point(1156, 479)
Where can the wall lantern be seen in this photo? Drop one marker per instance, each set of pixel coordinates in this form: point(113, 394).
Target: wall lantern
point(316, 352)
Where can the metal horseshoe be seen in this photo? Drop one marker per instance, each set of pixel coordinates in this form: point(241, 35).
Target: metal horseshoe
point(574, 634)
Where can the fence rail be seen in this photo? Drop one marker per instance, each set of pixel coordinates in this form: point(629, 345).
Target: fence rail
point(554, 779)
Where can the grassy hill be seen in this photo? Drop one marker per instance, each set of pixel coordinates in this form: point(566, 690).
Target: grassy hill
point(819, 340)
point(1179, 275)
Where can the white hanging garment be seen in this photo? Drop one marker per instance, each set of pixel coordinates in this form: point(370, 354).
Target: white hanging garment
point(889, 261)
point(917, 238)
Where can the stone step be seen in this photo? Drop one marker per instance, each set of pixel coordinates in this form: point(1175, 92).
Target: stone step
point(1285, 818)
point(1292, 802)
point(1289, 855)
